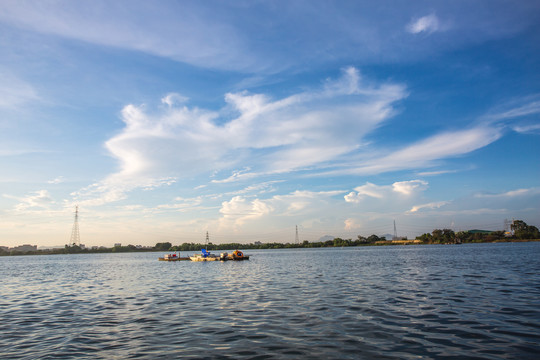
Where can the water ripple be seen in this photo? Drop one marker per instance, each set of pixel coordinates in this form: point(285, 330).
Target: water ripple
point(470, 301)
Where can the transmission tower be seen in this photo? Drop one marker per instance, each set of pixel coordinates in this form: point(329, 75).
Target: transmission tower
point(296, 239)
point(207, 239)
point(395, 231)
point(75, 236)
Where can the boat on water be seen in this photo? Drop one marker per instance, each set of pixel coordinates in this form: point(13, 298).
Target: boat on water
point(237, 255)
point(172, 257)
point(204, 256)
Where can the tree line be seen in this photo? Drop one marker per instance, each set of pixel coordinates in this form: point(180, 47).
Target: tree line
point(520, 231)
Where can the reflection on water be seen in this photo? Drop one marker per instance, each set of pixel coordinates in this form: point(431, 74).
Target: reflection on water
point(401, 302)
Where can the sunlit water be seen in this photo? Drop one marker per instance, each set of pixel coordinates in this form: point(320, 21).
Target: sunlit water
point(400, 302)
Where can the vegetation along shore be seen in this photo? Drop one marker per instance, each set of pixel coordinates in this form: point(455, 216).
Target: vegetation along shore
point(520, 231)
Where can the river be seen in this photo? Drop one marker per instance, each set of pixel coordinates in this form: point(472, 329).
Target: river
point(393, 302)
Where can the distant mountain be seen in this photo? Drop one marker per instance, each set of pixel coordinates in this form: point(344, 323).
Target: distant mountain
point(326, 238)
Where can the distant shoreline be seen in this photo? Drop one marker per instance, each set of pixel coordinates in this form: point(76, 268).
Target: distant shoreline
point(262, 246)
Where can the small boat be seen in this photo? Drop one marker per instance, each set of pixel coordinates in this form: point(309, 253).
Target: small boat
point(237, 255)
point(172, 257)
point(204, 256)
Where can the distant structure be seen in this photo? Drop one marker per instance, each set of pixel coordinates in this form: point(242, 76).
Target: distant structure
point(207, 239)
point(25, 247)
point(296, 239)
point(75, 236)
point(508, 229)
point(395, 237)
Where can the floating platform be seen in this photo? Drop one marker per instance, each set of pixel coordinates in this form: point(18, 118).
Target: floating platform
point(206, 256)
point(199, 257)
point(233, 258)
point(174, 259)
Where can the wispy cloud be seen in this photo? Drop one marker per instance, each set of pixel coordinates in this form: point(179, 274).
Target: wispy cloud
point(427, 24)
point(511, 193)
point(58, 180)
point(527, 129)
point(36, 201)
point(173, 99)
point(15, 91)
point(520, 114)
point(435, 173)
point(424, 153)
point(182, 32)
point(528, 105)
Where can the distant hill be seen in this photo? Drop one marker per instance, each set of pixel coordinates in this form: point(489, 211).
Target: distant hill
point(326, 238)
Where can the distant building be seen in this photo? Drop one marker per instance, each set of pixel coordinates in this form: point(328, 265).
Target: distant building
point(117, 244)
point(4, 248)
point(25, 247)
point(257, 243)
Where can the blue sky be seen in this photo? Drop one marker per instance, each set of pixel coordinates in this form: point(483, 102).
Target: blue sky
point(163, 120)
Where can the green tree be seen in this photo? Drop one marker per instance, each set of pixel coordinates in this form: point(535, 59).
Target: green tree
point(373, 238)
point(524, 231)
point(164, 246)
point(425, 238)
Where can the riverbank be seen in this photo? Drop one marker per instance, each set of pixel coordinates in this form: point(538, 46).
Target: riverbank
point(187, 247)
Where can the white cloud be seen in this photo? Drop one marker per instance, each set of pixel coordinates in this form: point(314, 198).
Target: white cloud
point(239, 210)
point(304, 205)
point(408, 187)
point(428, 24)
point(404, 188)
point(267, 136)
point(368, 189)
point(432, 205)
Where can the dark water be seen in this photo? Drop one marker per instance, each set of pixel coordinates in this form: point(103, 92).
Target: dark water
point(401, 302)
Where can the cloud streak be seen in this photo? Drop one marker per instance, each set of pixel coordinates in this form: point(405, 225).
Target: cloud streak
point(426, 152)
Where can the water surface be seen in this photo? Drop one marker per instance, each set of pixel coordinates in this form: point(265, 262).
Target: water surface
point(400, 302)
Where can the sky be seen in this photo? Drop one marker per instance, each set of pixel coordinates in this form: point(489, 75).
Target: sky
point(164, 120)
